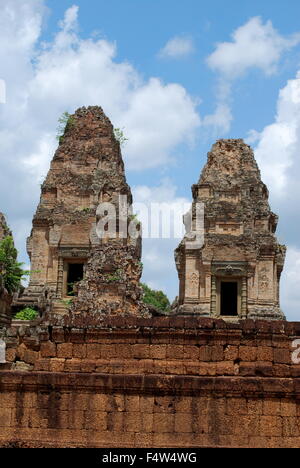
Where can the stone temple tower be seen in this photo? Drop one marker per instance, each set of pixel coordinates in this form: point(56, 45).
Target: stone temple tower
point(70, 262)
point(234, 273)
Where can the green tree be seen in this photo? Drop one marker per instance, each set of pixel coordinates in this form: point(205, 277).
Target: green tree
point(11, 272)
point(119, 136)
point(65, 120)
point(26, 314)
point(157, 299)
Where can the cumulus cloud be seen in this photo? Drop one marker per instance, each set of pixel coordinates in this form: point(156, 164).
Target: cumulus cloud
point(290, 292)
point(70, 21)
point(277, 152)
point(44, 80)
point(277, 146)
point(158, 119)
point(254, 45)
point(177, 47)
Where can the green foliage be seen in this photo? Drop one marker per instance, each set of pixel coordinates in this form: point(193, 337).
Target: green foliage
point(119, 136)
point(11, 272)
point(65, 121)
point(133, 217)
point(111, 278)
point(156, 298)
point(67, 302)
point(26, 314)
point(73, 288)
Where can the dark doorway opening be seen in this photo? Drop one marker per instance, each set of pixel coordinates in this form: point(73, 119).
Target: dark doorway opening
point(229, 296)
point(75, 274)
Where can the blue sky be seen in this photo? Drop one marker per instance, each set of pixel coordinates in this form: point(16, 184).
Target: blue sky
point(177, 76)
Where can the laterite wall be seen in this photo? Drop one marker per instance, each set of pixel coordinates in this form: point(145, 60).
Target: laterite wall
point(163, 382)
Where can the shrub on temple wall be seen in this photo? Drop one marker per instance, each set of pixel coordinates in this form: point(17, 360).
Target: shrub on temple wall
point(158, 299)
point(26, 314)
point(11, 271)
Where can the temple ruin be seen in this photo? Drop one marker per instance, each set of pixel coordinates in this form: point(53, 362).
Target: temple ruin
point(229, 263)
point(96, 369)
point(70, 261)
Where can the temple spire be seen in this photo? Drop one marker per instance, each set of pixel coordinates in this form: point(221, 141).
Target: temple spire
point(235, 272)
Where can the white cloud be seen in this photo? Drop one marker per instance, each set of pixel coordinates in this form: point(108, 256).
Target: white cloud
point(277, 147)
point(158, 119)
point(290, 292)
point(44, 80)
point(70, 21)
point(254, 45)
point(70, 72)
point(165, 192)
point(177, 47)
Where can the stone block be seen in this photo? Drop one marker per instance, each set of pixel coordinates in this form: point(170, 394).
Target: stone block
point(65, 350)
point(282, 356)
point(248, 353)
point(48, 349)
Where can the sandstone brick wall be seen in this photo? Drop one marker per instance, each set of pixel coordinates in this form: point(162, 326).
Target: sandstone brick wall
point(5, 307)
point(162, 382)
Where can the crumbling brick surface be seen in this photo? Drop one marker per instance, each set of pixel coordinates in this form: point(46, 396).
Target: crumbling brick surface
point(97, 410)
point(145, 382)
point(202, 347)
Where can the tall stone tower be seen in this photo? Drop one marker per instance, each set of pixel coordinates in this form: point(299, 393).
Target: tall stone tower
point(235, 272)
point(67, 255)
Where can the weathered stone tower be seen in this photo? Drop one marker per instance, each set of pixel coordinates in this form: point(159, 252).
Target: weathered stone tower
point(64, 248)
point(235, 273)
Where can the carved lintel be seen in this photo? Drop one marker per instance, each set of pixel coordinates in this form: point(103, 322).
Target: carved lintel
point(230, 269)
point(73, 252)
